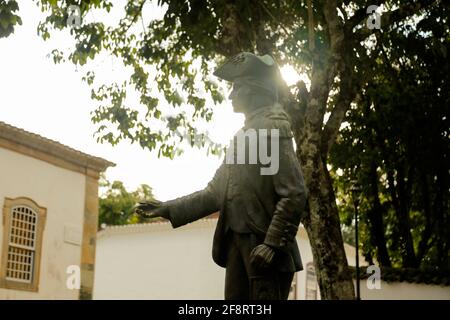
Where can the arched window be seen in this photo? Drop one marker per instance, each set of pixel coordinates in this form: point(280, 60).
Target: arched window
point(23, 224)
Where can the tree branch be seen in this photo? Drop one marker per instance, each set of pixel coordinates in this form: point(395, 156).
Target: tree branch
point(349, 87)
point(135, 17)
point(311, 41)
point(323, 72)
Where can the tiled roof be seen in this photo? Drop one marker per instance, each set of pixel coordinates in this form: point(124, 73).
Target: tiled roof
point(158, 225)
point(36, 142)
point(163, 225)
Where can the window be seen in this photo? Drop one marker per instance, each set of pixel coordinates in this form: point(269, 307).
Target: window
point(311, 282)
point(23, 224)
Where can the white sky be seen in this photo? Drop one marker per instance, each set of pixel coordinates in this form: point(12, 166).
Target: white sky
point(51, 100)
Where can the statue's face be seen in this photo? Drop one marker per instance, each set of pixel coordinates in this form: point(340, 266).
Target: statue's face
point(240, 96)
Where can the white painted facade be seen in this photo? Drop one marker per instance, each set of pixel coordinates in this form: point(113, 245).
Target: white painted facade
point(61, 192)
point(405, 291)
point(49, 213)
point(155, 261)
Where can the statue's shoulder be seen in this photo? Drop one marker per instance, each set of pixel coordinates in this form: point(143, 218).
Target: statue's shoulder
point(273, 118)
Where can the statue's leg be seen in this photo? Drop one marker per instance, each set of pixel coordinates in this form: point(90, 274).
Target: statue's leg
point(270, 285)
point(285, 279)
point(236, 280)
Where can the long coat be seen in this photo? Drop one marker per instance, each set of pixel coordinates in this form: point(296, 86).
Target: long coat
point(261, 194)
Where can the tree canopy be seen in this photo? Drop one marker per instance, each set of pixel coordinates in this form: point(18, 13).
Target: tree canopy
point(396, 148)
point(116, 204)
point(388, 81)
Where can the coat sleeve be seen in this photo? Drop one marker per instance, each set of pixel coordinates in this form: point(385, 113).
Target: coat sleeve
point(197, 205)
point(289, 185)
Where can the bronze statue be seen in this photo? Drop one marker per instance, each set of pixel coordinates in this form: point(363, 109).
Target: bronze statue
point(259, 214)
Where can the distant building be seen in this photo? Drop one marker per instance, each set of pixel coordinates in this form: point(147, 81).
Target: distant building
point(155, 261)
point(49, 201)
point(405, 284)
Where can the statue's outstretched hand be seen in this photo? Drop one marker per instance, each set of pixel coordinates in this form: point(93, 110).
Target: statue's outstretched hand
point(152, 209)
point(261, 256)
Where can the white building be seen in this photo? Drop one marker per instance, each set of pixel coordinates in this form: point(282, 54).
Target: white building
point(155, 261)
point(49, 201)
point(404, 290)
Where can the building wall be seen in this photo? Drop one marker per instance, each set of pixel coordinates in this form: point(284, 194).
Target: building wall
point(404, 291)
point(161, 264)
point(306, 253)
point(62, 193)
point(154, 261)
point(157, 262)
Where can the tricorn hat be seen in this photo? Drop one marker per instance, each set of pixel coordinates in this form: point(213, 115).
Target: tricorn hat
point(246, 64)
point(256, 71)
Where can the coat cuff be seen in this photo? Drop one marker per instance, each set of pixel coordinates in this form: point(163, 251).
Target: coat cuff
point(281, 233)
point(175, 213)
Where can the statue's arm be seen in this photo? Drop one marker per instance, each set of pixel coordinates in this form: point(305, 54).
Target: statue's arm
point(197, 205)
point(290, 186)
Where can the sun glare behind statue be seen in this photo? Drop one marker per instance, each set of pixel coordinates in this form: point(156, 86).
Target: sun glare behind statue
point(291, 76)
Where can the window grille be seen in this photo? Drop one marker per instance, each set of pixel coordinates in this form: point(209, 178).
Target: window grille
point(22, 244)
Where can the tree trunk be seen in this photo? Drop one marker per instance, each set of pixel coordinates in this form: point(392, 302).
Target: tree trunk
point(441, 204)
point(427, 232)
point(375, 215)
point(314, 140)
point(409, 257)
point(323, 227)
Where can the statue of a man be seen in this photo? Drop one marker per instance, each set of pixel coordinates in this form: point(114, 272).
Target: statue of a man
point(259, 213)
